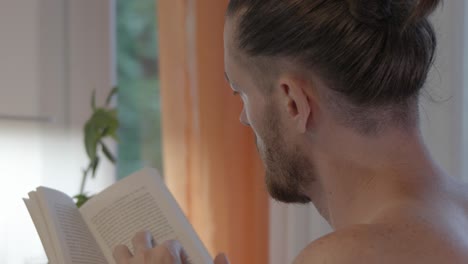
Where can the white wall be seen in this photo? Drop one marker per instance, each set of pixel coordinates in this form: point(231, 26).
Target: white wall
point(86, 65)
point(53, 53)
point(442, 102)
point(464, 109)
point(444, 123)
point(17, 94)
point(20, 142)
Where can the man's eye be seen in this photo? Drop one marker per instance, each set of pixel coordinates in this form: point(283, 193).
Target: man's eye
point(235, 93)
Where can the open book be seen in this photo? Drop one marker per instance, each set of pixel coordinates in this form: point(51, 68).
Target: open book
point(89, 234)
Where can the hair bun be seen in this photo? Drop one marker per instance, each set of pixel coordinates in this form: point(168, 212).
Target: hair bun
point(376, 12)
point(371, 11)
point(422, 9)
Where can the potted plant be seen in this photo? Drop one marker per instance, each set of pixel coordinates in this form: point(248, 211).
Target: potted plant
point(103, 124)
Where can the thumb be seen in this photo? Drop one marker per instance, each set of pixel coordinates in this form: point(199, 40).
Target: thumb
point(221, 259)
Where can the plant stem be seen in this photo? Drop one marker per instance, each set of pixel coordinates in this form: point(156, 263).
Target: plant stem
point(83, 181)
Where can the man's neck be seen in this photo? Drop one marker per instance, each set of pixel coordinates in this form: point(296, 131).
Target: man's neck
point(359, 176)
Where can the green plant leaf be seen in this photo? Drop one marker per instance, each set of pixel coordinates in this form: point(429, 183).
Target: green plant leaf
point(111, 95)
point(115, 128)
point(104, 132)
point(91, 138)
point(102, 123)
point(115, 137)
point(94, 166)
point(113, 113)
point(105, 120)
point(107, 153)
point(81, 199)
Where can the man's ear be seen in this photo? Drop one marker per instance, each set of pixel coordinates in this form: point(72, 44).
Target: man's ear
point(297, 103)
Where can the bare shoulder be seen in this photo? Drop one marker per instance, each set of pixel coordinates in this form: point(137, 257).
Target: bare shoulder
point(430, 232)
point(350, 245)
point(384, 244)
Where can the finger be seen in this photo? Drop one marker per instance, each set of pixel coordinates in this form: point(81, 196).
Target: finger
point(121, 254)
point(184, 257)
point(153, 242)
point(182, 253)
point(174, 247)
point(221, 259)
point(165, 253)
point(142, 241)
point(177, 250)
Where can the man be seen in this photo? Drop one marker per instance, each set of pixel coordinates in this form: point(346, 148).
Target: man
point(330, 88)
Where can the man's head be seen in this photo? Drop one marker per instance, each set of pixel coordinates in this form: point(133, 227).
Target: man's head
point(305, 68)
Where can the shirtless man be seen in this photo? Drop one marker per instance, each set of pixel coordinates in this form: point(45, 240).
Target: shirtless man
point(330, 88)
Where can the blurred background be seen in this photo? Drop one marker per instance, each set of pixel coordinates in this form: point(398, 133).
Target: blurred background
point(175, 113)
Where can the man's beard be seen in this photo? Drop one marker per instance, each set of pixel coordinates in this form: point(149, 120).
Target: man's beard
point(287, 171)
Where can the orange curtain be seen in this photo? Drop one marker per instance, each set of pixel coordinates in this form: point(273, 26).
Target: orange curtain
point(210, 161)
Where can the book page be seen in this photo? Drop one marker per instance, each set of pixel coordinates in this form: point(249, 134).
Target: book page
point(39, 220)
point(140, 202)
point(68, 232)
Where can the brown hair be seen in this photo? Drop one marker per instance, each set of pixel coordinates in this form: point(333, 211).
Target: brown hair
point(373, 53)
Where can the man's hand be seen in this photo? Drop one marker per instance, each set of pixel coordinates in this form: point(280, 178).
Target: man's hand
point(147, 252)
